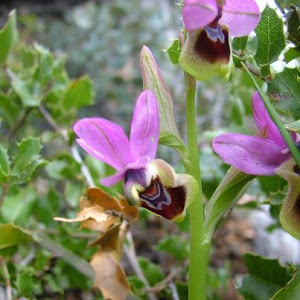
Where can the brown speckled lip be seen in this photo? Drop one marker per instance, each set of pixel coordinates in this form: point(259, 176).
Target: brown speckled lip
point(212, 51)
point(173, 209)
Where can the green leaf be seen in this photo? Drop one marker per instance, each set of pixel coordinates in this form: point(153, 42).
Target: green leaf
point(30, 92)
point(254, 289)
point(240, 43)
point(25, 281)
point(174, 245)
point(292, 289)
point(174, 51)
point(73, 192)
point(8, 37)
point(12, 235)
point(267, 270)
point(152, 80)
point(285, 90)
point(44, 70)
point(232, 187)
point(27, 160)
point(295, 126)
point(79, 93)
point(270, 36)
point(4, 164)
point(152, 272)
point(266, 276)
point(293, 22)
point(68, 256)
point(172, 141)
point(9, 109)
point(291, 54)
point(18, 205)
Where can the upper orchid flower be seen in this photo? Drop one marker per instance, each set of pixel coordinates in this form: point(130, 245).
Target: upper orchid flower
point(209, 23)
point(147, 181)
point(254, 155)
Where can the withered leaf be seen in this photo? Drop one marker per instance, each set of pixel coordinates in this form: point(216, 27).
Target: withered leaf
point(109, 276)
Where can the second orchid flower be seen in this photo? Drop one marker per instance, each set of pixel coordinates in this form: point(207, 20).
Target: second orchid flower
point(209, 23)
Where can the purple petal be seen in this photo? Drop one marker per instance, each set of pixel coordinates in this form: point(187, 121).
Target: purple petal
point(252, 155)
point(240, 16)
point(111, 180)
point(118, 176)
point(264, 123)
point(104, 140)
point(145, 126)
point(259, 111)
point(198, 13)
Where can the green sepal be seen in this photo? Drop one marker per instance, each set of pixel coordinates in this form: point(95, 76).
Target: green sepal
point(153, 81)
point(230, 190)
point(174, 51)
point(289, 214)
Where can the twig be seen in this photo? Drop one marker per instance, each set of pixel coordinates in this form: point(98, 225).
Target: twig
point(131, 256)
point(169, 279)
point(7, 280)
point(19, 123)
point(85, 171)
point(173, 288)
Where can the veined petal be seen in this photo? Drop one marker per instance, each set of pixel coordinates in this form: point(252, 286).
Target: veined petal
point(264, 123)
point(259, 111)
point(145, 126)
point(104, 140)
point(136, 165)
point(250, 154)
point(198, 13)
point(240, 16)
point(111, 180)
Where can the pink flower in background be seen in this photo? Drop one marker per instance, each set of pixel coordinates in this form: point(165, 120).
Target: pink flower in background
point(241, 17)
point(209, 23)
point(255, 155)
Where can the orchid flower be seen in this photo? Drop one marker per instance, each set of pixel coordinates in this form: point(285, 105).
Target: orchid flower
point(209, 23)
point(254, 155)
point(150, 182)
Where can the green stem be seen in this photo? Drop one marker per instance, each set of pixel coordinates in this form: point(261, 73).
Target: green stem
point(274, 116)
point(199, 251)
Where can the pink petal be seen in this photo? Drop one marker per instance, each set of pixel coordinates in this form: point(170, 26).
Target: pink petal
point(264, 123)
point(252, 155)
point(198, 13)
point(111, 180)
point(145, 126)
point(104, 140)
point(259, 111)
point(240, 16)
point(118, 176)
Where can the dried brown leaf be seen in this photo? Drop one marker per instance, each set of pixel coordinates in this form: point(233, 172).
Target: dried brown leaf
point(109, 276)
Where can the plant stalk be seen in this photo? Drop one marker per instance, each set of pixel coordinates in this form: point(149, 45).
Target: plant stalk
point(199, 250)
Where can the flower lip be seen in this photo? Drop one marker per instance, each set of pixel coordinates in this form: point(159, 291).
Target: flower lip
point(212, 45)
